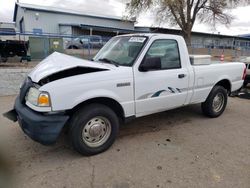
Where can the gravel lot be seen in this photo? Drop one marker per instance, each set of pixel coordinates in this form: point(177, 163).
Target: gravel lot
point(178, 148)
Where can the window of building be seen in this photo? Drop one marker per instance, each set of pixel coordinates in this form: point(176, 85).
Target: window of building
point(37, 31)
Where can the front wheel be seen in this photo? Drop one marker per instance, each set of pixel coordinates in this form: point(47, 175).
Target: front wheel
point(93, 129)
point(215, 103)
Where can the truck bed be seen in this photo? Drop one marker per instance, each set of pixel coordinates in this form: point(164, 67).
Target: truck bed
point(205, 76)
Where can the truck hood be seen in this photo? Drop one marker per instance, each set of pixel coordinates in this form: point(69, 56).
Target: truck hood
point(63, 64)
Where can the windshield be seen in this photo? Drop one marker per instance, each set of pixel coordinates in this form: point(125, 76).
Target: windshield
point(121, 50)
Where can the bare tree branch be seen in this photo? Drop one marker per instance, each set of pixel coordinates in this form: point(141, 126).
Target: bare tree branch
point(184, 13)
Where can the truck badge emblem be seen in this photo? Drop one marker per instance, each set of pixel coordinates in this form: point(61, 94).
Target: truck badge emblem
point(123, 84)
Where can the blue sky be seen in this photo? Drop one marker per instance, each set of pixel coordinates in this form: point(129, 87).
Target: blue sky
point(240, 25)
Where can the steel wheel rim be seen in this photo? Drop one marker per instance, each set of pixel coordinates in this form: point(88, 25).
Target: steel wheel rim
point(96, 131)
point(218, 102)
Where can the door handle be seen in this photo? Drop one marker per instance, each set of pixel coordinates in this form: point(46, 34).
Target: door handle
point(181, 76)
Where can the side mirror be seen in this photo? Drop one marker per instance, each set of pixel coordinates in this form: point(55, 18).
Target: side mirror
point(150, 63)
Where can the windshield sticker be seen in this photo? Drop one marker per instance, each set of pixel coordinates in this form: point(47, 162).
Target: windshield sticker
point(137, 39)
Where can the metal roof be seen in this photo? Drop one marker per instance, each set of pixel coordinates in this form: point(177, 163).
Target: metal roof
point(100, 28)
point(7, 31)
point(63, 11)
point(246, 35)
point(178, 32)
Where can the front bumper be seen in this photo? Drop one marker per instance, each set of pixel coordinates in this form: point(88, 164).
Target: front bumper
point(42, 128)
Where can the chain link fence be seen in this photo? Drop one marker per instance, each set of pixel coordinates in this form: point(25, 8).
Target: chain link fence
point(230, 53)
point(42, 45)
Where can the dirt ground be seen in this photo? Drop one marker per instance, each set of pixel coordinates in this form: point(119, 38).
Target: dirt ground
point(178, 148)
point(15, 64)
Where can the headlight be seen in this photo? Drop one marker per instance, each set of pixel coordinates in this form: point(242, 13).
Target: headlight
point(38, 98)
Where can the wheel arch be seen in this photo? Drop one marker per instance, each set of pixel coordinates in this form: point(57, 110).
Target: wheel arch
point(111, 103)
point(226, 84)
point(73, 47)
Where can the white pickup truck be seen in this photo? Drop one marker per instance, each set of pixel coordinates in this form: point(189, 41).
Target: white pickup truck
point(131, 76)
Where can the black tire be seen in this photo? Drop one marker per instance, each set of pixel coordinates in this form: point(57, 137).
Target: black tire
point(73, 47)
point(81, 119)
point(207, 106)
point(245, 84)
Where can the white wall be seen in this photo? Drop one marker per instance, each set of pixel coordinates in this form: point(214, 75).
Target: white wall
point(49, 22)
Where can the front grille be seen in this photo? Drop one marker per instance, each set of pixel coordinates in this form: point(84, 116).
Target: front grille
point(24, 89)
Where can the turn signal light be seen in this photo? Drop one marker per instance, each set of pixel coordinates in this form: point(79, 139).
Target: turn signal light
point(43, 100)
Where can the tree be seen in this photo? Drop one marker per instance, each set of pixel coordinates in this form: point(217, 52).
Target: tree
point(184, 13)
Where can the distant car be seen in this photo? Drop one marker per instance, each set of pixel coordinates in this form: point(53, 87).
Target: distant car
point(246, 60)
point(81, 42)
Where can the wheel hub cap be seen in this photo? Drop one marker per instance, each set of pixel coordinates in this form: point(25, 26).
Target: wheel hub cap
point(218, 102)
point(96, 132)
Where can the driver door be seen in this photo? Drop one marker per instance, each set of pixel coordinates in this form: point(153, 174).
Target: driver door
point(166, 86)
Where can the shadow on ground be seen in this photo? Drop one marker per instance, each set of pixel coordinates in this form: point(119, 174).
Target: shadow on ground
point(244, 93)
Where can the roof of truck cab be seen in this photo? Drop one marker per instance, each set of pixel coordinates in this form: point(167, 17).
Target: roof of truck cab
point(151, 35)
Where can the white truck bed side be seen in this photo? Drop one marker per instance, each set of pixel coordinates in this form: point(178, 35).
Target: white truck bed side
point(206, 76)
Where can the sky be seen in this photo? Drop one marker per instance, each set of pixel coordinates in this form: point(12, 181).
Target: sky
point(240, 24)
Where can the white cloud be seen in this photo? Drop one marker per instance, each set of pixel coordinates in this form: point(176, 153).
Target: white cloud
point(240, 25)
point(101, 7)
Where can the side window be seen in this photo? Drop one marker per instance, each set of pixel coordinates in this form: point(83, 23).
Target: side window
point(168, 52)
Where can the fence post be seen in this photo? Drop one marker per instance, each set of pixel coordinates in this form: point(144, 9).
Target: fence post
point(209, 50)
point(89, 48)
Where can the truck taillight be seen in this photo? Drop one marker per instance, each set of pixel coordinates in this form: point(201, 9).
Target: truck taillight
point(244, 74)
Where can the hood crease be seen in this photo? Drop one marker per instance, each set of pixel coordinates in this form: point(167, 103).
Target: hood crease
point(64, 66)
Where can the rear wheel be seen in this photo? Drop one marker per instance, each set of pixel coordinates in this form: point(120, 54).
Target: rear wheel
point(245, 84)
point(215, 103)
point(93, 129)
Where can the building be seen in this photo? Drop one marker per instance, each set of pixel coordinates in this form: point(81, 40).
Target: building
point(52, 29)
point(50, 20)
point(41, 20)
point(7, 28)
point(246, 35)
point(205, 40)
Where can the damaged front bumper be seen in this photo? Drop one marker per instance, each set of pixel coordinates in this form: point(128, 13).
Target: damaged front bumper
point(43, 128)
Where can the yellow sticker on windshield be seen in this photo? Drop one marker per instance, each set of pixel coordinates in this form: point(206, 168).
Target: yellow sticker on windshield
point(137, 39)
